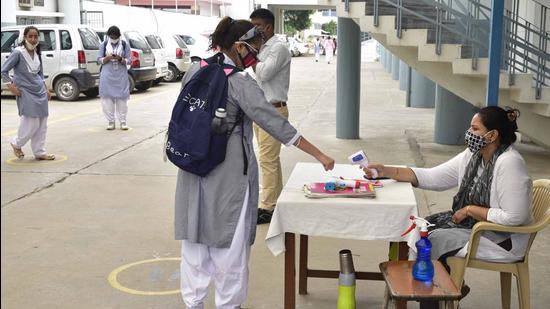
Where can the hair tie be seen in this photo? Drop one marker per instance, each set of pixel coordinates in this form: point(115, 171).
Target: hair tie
point(512, 113)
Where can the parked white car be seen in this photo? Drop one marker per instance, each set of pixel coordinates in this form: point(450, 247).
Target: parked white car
point(69, 57)
point(177, 56)
point(198, 46)
point(303, 48)
point(160, 57)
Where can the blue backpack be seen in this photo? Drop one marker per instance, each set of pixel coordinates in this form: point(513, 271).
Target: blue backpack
point(190, 144)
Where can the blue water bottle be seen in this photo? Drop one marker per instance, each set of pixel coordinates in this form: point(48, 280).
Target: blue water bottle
point(423, 268)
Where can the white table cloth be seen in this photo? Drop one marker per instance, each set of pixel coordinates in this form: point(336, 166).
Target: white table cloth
point(382, 218)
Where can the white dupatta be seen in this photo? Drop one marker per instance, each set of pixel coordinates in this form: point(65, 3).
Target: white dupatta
point(33, 64)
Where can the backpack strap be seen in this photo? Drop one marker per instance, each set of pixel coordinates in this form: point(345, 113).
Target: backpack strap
point(240, 120)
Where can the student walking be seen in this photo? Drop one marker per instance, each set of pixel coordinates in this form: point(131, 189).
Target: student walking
point(273, 75)
point(215, 215)
point(114, 91)
point(317, 49)
point(31, 95)
point(329, 49)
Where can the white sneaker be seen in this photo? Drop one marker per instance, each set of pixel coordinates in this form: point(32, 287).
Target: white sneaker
point(123, 126)
point(111, 126)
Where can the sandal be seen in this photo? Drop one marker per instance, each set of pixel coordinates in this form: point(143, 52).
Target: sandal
point(47, 157)
point(17, 152)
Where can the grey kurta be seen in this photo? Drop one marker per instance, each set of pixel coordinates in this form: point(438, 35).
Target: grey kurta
point(33, 101)
point(207, 208)
point(113, 78)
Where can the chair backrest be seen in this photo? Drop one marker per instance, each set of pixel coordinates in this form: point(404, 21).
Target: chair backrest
point(541, 208)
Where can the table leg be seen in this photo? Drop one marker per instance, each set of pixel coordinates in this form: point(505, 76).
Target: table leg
point(290, 271)
point(302, 276)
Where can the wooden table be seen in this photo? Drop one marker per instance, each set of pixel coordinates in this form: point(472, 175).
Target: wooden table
point(382, 218)
point(401, 285)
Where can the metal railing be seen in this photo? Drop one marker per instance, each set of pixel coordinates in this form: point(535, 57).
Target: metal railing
point(525, 43)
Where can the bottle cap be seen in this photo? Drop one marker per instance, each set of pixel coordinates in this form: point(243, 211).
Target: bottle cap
point(221, 113)
point(346, 262)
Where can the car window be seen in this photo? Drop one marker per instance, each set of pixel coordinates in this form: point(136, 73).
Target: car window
point(152, 42)
point(90, 40)
point(180, 42)
point(161, 43)
point(137, 41)
point(65, 39)
point(47, 40)
point(101, 35)
point(188, 40)
point(9, 40)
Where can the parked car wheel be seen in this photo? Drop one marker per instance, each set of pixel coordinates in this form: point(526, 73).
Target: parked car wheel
point(131, 82)
point(144, 86)
point(92, 92)
point(66, 89)
point(172, 75)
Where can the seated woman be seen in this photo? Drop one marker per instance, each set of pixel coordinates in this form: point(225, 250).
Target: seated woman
point(493, 186)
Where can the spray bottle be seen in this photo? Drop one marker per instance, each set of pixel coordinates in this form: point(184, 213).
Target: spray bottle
point(423, 268)
point(361, 158)
point(346, 281)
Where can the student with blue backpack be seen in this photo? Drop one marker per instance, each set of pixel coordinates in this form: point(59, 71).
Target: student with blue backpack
point(217, 184)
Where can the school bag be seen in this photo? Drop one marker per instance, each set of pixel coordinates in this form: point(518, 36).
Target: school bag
point(190, 143)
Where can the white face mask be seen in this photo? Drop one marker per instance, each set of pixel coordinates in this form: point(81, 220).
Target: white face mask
point(30, 46)
point(114, 41)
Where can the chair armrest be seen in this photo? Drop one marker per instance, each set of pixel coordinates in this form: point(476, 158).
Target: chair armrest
point(489, 226)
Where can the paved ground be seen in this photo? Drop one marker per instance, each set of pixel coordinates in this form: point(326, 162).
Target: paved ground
point(108, 201)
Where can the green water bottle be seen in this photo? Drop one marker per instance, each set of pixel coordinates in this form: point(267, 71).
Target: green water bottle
point(346, 281)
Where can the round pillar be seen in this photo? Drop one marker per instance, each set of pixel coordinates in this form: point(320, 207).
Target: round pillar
point(382, 56)
point(395, 67)
point(403, 75)
point(452, 117)
point(71, 9)
point(389, 57)
point(422, 91)
point(348, 79)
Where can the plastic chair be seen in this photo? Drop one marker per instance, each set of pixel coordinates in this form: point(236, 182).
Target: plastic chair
point(541, 215)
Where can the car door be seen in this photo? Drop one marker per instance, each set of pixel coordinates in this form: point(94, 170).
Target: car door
point(50, 53)
point(10, 40)
point(90, 44)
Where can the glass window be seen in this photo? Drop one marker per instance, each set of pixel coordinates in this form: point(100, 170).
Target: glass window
point(65, 39)
point(38, 2)
point(90, 40)
point(9, 40)
point(161, 43)
point(137, 41)
point(47, 40)
point(180, 42)
point(188, 40)
point(152, 42)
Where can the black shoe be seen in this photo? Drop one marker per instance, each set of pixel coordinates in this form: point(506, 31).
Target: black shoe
point(264, 216)
point(464, 290)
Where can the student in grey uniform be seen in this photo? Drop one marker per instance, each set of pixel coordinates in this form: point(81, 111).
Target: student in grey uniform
point(215, 215)
point(114, 86)
point(493, 186)
point(31, 95)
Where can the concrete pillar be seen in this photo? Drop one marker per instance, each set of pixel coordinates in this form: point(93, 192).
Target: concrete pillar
point(422, 91)
point(279, 15)
point(8, 13)
point(395, 67)
point(389, 57)
point(71, 9)
point(348, 79)
point(383, 56)
point(403, 75)
point(452, 117)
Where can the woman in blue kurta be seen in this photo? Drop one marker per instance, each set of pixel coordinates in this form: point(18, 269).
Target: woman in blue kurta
point(31, 95)
point(114, 90)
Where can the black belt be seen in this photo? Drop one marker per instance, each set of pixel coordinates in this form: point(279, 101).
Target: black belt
point(278, 104)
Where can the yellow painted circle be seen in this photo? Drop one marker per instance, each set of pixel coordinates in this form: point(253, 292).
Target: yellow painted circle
point(101, 129)
point(113, 281)
point(32, 161)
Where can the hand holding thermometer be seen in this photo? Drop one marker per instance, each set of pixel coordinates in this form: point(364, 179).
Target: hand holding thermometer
point(360, 158)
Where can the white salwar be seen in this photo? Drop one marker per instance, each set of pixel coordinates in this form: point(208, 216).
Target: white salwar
point(34, 129)
point(112, 106)
point(227, 266)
